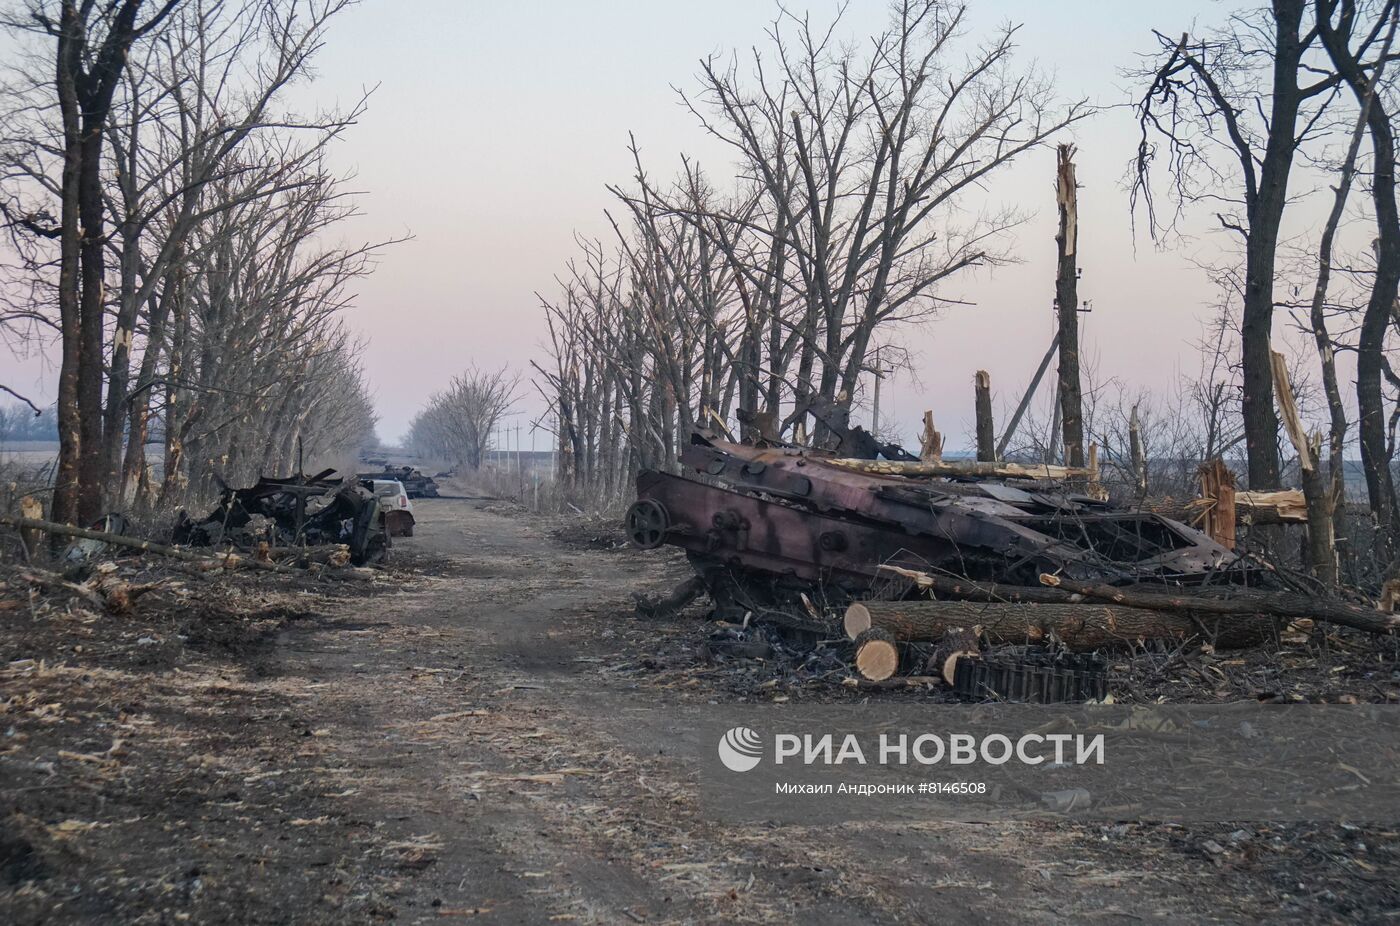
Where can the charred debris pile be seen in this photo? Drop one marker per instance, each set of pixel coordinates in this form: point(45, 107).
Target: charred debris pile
point(996, 579)
point(319, 525)
point(292, 516)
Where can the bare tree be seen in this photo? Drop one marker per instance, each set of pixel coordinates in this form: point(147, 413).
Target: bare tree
point(221, 318)
point(90, 43)
point(1348, 36)
point(861, 162)
point(457, 424)
point(849, 216)
point(1232, 108)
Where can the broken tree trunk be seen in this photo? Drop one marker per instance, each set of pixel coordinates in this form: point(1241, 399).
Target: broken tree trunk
point(965, 468)
point(877, 654)
point(1276, 604)
point(1218, 489)
point(669, 605)
point(1138, 457)
point(1084, 626)
point(986, 434)
point(1067, 305)
point(890, 684)
point(30, 507)
point(1322, 549)
point(969, 590)
point(1286, 506)
point(931, 443)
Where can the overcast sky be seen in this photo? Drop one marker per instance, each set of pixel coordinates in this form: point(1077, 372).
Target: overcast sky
point(495, 126)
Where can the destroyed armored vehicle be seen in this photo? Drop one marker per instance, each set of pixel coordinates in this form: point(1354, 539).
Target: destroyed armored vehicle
point(765, 525)
point(293, 512)
point(414, 482)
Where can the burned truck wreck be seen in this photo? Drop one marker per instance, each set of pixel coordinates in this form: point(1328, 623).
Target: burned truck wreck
point(777, 531)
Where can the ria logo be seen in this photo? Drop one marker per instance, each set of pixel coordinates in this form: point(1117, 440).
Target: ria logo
point(740, 749)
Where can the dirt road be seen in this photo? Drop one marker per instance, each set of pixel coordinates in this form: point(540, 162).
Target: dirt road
point(491, 733)
point(505, 722)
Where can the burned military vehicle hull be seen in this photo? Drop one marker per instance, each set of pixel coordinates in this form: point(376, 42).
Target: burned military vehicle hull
point(788, 519)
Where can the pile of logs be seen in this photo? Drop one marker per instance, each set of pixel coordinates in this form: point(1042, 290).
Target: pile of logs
point(1076, 616)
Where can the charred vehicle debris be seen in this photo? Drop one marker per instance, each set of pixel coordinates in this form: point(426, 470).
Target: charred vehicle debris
point(793, 537)
point(298, 511)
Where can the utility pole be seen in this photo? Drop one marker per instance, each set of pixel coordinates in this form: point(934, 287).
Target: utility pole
point(875, 411)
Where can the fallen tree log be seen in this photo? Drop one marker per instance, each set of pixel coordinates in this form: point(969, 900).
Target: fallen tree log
point(149, 546)
point(1245, 602)
point(975, 468)
point(877, 654)
point(1084, 626)
point(1276, 604)
point(970, 590)
point(889, 684)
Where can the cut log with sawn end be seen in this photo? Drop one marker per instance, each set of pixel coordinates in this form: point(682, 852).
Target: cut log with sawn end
point(877, 654)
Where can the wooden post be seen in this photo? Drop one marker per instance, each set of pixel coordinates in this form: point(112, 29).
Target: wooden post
point(875, 408)
point(986, 435)
point(1218, 487)
point(1067, 302)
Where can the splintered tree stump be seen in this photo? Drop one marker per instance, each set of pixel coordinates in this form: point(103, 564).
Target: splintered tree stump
point(877, 654)
point(1083, 626)
point(956, 643)
point(31, 508)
